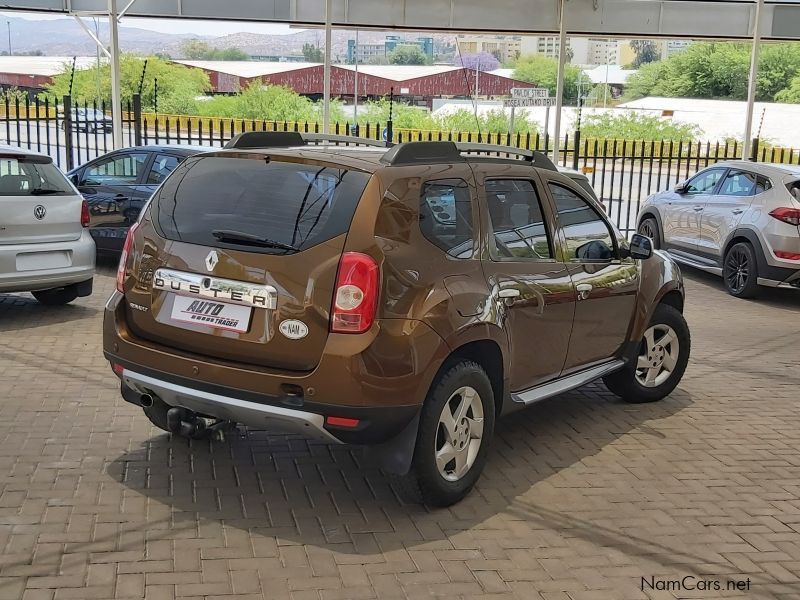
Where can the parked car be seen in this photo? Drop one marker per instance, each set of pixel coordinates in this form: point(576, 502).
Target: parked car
point(401, 299)
point(118, 184)
point(89, 120)
point(737, 219)
point(45, 247)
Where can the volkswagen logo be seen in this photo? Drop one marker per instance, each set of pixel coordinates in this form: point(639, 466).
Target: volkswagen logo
point(211, 260)
point(39, 211)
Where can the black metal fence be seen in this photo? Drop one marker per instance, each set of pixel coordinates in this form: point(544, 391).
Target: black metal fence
point(623, 172)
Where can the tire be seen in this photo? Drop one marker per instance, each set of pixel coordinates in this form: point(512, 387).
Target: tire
point(639, 381)
point(740, 271)
point(649, 227)
point(425, 482)
point(57, 296)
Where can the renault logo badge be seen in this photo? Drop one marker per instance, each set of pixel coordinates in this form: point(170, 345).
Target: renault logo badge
point(211, 260)
point(39, 212)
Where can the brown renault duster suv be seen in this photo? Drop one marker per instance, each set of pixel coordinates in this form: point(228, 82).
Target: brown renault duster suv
point(402, 299)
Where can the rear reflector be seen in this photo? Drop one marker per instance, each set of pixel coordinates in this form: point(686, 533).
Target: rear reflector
point(787, 215)
point(342, 422)
point(787, 255)
point(356, 297)
point(123, 258)
point(118, 369)
point(85, 216)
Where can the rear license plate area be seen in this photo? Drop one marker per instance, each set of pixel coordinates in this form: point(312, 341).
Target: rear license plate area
point(211, 313)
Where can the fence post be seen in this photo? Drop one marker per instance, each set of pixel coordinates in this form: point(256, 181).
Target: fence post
point(137, 119)
point(68, 132)
point(754, 151)
point(577, 142)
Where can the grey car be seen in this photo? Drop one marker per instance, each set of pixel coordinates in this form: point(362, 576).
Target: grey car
point(737, 219)
point(45, 246)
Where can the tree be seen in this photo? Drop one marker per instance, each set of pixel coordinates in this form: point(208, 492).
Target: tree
point(646, 52)
point(482, 61)
point(199, 50)
point(633, 126)
point(408, 55)
point(312, 54)
point(543, 72)
point(178, 86)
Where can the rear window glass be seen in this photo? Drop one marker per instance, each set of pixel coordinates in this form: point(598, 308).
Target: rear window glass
point(35, 177)
point(292, 204)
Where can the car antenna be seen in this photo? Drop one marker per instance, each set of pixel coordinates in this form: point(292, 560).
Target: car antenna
point(469, 88)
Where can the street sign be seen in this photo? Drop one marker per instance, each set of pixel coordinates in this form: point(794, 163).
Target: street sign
point(528, 102)
point(530, 92)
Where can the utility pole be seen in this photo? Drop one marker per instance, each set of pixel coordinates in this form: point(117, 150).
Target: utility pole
point(97, 51)
point(10, 51)
point(355, 86)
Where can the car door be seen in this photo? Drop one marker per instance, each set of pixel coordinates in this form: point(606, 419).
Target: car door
point(606, 285)
point(109, 185)
point(723, 211)
point(522, 270)
point(683, 210)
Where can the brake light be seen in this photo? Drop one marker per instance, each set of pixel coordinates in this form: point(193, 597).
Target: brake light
point(123, 259)
point(787, 255)
point(356, 298)
point(787, 215)
point(85, 217)
point(342, 422)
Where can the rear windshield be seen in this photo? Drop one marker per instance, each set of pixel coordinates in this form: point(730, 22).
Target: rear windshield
point(293, 204)
point(32, 177)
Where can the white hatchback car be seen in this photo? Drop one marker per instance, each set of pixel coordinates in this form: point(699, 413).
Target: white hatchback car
point(45, 246)
point(737, 219)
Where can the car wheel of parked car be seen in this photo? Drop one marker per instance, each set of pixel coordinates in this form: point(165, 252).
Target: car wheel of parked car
point(455, 431)
point(740, 271)
point(649, 228)
point(661, 360)
point(57, 296)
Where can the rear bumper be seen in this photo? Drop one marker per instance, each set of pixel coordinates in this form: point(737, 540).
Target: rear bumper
point(280, 414)
point(780, 277)
point(78, 265)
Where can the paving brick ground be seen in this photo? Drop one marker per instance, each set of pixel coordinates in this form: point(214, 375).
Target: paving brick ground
point(582, 497)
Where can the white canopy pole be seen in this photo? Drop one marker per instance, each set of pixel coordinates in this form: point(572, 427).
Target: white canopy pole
point(751, 90)
point(116, 94)
point(562, 59)
point(326, 94)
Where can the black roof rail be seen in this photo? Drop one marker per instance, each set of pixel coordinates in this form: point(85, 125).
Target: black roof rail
point(429, 152)
point(289, 139)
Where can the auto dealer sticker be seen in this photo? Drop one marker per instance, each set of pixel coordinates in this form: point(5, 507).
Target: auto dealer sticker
point(294, 330)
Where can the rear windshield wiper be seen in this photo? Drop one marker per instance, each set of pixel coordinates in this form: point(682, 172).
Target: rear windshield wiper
point(226, 235)
point(44, 191)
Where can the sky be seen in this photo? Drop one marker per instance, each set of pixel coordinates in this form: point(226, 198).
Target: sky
point(212, 28)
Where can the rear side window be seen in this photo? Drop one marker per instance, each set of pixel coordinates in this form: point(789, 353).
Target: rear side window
point(32, 177)
point(517, 221)
point(293, 204)
point(445, 216)
point(738, 183)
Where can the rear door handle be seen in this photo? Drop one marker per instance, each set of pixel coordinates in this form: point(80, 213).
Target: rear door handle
point(584, 289)
point(738, 211)
point(509, 293)
point(698, 208)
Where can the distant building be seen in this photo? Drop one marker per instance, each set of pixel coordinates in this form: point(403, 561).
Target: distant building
point(369, 52)
point(504, 47)
point(34, 73)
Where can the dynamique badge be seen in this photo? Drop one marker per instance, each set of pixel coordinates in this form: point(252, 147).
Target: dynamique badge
point(211, 260)
point(39, 211)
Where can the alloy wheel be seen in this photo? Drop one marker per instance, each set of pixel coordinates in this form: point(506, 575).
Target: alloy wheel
point(737, 270)
point(460, 433)
point(647, 229)
point(658, 357)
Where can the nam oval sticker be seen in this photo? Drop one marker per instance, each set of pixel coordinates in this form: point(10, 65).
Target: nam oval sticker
point(294, 330)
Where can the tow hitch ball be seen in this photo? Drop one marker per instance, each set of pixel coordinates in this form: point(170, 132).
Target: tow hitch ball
point(185, 422)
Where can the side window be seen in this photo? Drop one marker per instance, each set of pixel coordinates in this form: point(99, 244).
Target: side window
point(762, 184)
point(517, 221)
point(705, 182)
point(163, 165)
point(587, 235)
point(738, 183)
point(445, 216)
point(116, 170)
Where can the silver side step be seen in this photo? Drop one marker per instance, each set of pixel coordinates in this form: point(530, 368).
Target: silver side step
point(576, 380)
point(691, 262)
point(260, 416)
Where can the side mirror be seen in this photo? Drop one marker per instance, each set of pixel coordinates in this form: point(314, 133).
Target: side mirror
point(682, 188)
point(641, 247)
point(75, 180)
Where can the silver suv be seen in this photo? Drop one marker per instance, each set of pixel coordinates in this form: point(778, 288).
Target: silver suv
point(45, 246)
point(737, 219)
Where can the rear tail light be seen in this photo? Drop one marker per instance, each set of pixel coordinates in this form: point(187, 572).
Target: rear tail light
point(85, 217)
point(118, 369)
point(787, 215)
point(356, 298)
point(787, 255)
point(123, 259)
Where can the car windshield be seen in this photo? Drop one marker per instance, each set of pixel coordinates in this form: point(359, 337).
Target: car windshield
point(31, 176)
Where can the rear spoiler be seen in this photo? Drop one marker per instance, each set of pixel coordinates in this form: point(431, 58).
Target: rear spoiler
point(35, 159)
